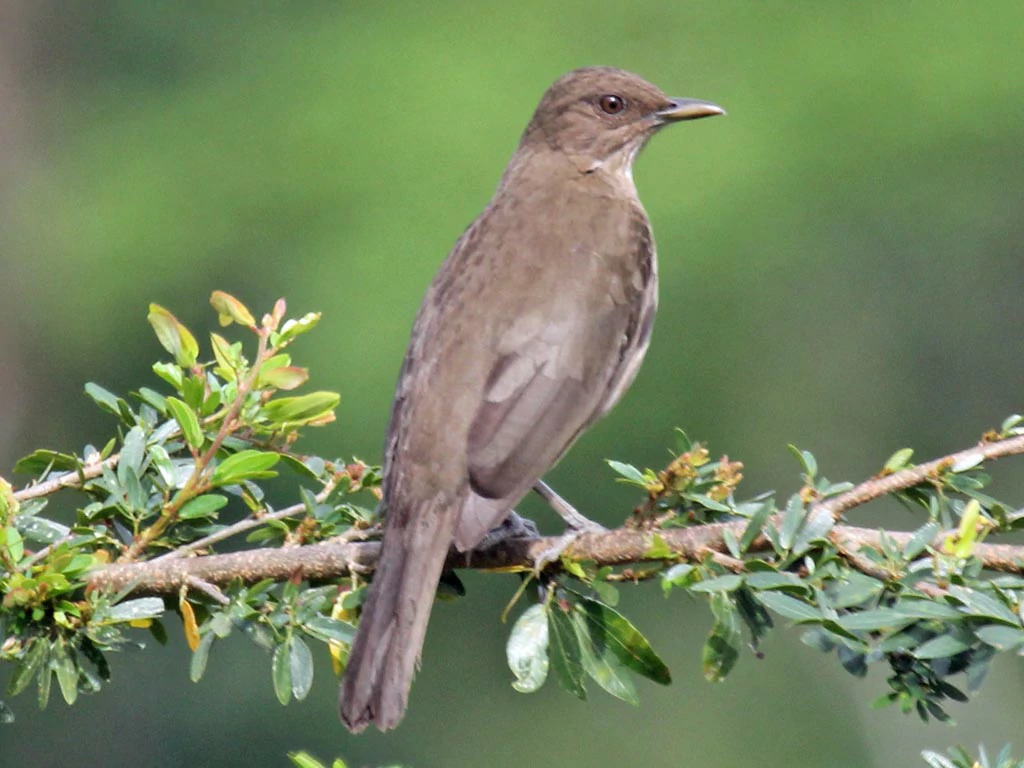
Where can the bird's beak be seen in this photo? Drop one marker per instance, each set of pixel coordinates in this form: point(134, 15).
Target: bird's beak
point(688, 109)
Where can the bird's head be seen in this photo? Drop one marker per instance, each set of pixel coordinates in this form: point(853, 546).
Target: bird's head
point(601, 117)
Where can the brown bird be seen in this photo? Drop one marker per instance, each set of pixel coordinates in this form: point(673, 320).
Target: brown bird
point(533, 328)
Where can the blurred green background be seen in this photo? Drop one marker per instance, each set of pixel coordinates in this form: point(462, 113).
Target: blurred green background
point(841, 268)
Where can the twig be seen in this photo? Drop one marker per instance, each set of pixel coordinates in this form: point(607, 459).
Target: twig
point(72, 479)
point(877, 487)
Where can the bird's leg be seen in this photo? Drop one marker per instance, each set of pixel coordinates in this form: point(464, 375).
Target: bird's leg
point(565, 510)
point(578, 524)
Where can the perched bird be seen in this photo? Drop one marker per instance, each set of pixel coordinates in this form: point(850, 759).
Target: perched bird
point(532, 329)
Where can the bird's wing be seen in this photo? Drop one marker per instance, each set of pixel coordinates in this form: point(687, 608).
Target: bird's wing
point(547, 384)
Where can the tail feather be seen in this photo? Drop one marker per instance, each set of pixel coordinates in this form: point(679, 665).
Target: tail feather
point(386, 650)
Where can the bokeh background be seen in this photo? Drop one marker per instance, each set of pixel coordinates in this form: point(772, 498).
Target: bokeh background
point(841, 268)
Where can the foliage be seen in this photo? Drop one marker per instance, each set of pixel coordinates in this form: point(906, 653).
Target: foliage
point(189, 468)
point(959, 758)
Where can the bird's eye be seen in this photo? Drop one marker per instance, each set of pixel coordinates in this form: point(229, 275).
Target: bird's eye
point(612, 104)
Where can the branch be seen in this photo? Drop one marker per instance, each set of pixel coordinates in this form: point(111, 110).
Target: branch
point(623, 546)
point(877, 487)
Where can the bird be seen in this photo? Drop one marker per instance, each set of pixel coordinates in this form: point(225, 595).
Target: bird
point(532, 329)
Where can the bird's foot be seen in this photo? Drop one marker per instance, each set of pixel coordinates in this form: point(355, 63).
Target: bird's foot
point(514, 527)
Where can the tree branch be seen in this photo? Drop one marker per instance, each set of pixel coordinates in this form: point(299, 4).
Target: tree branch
point(622, 546)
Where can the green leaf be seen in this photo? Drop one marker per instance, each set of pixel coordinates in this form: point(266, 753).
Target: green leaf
point(628, 472)
point(922, 537)
point(874, 619)
point(201, 655)
point(564, 652)
point(44, 460)
point(775, 580)
point(658, 549)
point(27, 667)
point(527, 649)
point(326, 628)
point(791, 520)
point(187, 421)
point(807, 462)
point(899, 460)
point(229, 310)
point(301, 409)
point(601, 664)
point(40, 529)
point(728, 583)
point(170, 373)
point(293, 328)
point(789, 607)
point(980, 604)
point(1000, 637)
point(941, 647)
point(305, 760)
point(284, 377)
point(67, 673)
point(722, 648)
point(815, 527)
point(173, 336)
point(135, 610)
point(281, 672)
point(609, 628)
point(202, 506)
point(753, 529)
point(300, 661)
point(105, 399)
point(927, 609)
point(244, 465)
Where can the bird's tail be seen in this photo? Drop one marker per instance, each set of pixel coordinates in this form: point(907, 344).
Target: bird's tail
point(393, 623)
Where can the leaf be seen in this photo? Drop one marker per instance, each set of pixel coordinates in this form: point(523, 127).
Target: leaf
point(628, 472)
point(200, 656)
point(301, 409)
point(187, 421)
point(44, 460)
point(791, 520)
point(968, 461)
point(807, 462)
point(293, 328)
point(922, 537)
point(281, 673)
point(231, 310)
point(874, 619)
point(1000, 637)
point(728, 583)
point(658, 549)
point(40, 529)
point(899, 460)
point(527, 649)
point(815, 527)
point(564, 652)
point(941, 647)
point(305, 760)
point(133, 610)
point(189, 625)
point(173, 336)
point(789, 607)
point(607, 626)
point(105, 399)
point(247, 464)
point(328, 629)
point(601, 664)
point(300, 661)
point(202, 506)
point(285, 377)
point(753, 529)
point(64, 667)
point(722, 648)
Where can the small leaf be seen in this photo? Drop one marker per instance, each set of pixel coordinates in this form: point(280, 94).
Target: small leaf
point(105, 399)
point(753, 529)
point(628, 472)
point(791, 520)
point(281, 672)
point(527, 649)
point(173, 336)
point(610, 628)
point(67, 673)
point(231, 310)
point(899, 460)
point(564, 652)
point(187, 421)
point(300, 662)
point(658, 548)
point(722, 649)
point(285, 377)
point(202, 506)
point(941, 647)
point(922, 537)
point(247, 464)
point(727, 583)
point(601, 664)
point(302, 409)
point(200, 656)
point(789, 607)
point(293, 328)
point(968, 461)
point(188, 620)
point(133, 610)
point(1000, 637)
